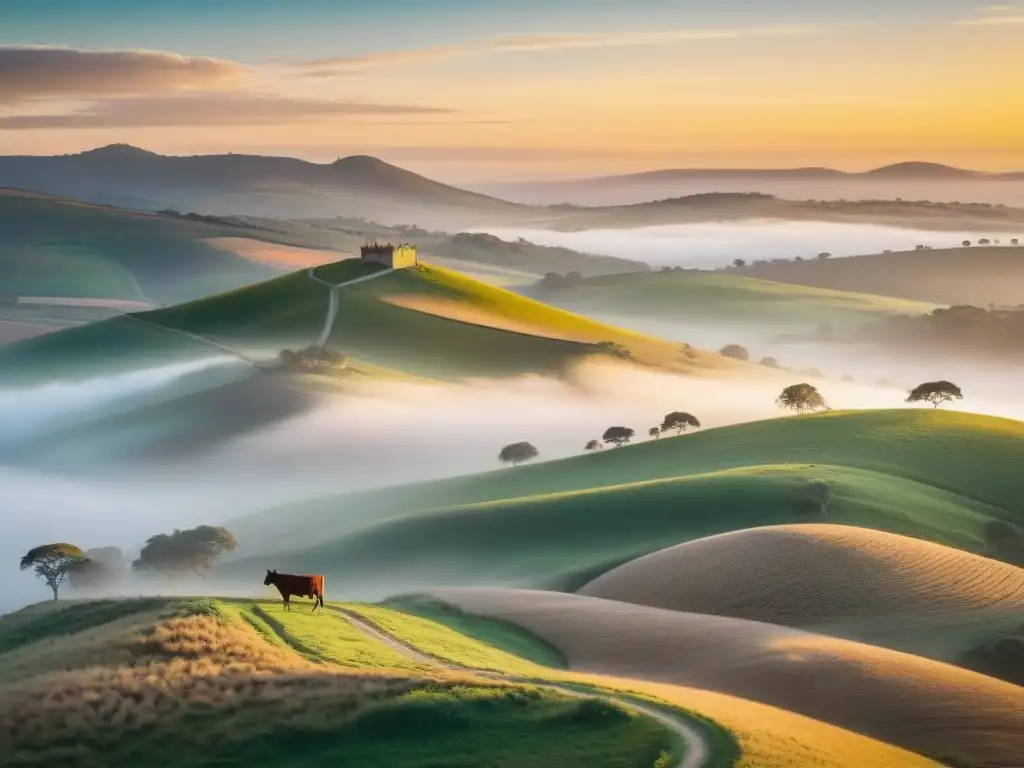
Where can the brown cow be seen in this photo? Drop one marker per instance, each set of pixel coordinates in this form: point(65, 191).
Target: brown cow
point(288, 584)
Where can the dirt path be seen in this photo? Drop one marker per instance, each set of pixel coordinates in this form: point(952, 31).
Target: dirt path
point(332, 304)
point(697, 753)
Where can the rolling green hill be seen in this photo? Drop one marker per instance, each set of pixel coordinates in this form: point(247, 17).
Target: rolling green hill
point(725, 298)
point(425, 321)
point(58, 247)
point(934, 475)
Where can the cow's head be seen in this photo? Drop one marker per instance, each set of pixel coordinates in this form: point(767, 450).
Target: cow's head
point(270, 577)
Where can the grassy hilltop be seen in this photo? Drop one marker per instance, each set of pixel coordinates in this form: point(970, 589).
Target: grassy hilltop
point(935, 475)
point(409, 685)
point(425, 321)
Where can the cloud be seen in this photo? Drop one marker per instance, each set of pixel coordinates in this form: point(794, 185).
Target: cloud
point(520, 43)
point(211, 109)
point(996, 15)
point(34, 72)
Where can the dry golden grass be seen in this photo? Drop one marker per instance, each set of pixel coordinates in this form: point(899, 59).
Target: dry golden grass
point(273, 254)
point(172, 666)
point(918, 704)
point(770, 737)
point(845, 581)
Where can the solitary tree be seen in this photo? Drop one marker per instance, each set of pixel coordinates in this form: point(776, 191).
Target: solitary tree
point(966, 243)
point(984, 241)
point(654, 432)
point(516, 453)
point(592, 445)
point(1015, 241)
point(735, 351)
point(769, 362)
point(802, 398)
point(618, 435)
point(680, 421)
point(52, 563)
point(935, 392)
point(192, 550)
point(825, 255)
point(739, 263)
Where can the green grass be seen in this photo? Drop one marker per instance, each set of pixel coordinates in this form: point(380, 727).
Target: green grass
point(728, 298)
point(561, 541)
point(109, 346)
point(492, 632)
point(320, 638)
point(55, 247)
point(440, 727)
point(437, 639)
point(61, 618)
point(936, 475)
point(289, 311)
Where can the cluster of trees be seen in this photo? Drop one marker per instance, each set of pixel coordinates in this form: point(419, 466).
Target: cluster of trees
point(193, 550)
point(964, 326)
point(677, 421)
point(986, 241)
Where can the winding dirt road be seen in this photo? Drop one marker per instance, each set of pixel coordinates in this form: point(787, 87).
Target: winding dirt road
point(332, 304)
point(696, 754)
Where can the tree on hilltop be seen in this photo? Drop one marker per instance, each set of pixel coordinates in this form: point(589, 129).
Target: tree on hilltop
point(739, 263)
point(966, 243)
point(802, 398)
point(52, 563)
point(618, 435)
point(935, 392)
point(680, 421)
point(191, 550)
point(517, 453)
point(592, 445)
point(654, 432)
point(1015, 241)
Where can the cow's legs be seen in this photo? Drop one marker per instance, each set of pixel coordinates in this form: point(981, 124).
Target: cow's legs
point(287, 602)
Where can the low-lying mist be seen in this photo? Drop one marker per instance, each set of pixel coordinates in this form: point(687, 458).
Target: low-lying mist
point(29, 411)
point(390, 432)
point(715, 244)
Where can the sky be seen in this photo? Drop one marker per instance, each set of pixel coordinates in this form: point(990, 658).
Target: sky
point(489, 90)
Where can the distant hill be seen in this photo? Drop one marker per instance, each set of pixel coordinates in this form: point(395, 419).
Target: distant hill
point(366, 188)
point(56, 247)
point(358, 186)
point(907, 180)
point(975, 275)
point(728, 299)
point(746, 206)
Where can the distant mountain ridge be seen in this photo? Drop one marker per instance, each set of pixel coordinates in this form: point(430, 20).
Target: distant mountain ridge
point(358, 186)
point(904, 169)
